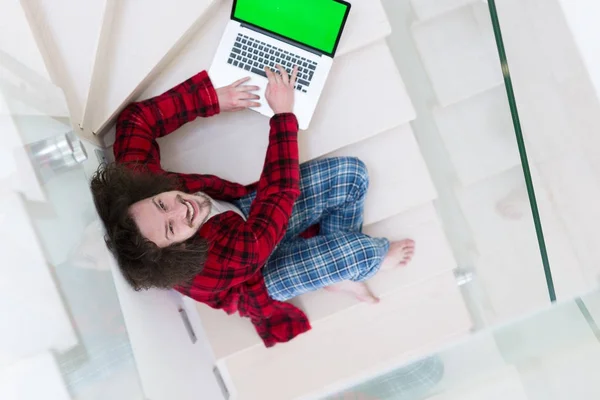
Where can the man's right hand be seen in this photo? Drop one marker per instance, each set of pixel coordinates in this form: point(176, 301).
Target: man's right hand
point(280, 90)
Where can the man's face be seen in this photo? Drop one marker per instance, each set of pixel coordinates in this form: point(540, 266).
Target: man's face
point(170, 217)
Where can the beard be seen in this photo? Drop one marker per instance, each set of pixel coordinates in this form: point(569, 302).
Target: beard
point(204, 204)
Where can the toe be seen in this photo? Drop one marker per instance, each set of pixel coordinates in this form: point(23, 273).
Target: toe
point(408, 244)
point(407, 258)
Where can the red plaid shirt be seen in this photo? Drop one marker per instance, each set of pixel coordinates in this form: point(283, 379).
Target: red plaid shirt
point(232, 279)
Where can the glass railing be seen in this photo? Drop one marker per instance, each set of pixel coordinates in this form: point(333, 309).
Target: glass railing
point(551, 355)
point(447, 55)
point(552, 90)
point(508, 117)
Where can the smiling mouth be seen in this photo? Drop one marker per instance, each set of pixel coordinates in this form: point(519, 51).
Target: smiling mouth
point(192, 210)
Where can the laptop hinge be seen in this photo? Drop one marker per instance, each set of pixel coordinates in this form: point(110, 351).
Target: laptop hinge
point(283, 39)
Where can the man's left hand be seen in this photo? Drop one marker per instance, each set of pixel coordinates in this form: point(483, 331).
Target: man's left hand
point(237, 96)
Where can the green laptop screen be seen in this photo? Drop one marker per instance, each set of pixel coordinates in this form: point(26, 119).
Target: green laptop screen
point(315, 23)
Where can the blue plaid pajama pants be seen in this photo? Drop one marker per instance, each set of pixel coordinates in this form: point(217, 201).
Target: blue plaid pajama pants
point(333, 194)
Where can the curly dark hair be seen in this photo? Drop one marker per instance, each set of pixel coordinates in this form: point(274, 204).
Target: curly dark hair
point(115, 188)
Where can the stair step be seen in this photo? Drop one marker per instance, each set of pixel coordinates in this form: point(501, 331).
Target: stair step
point(397, 172)
point(143, 40)
point(42, 368)
point(26, 83)
point(399, 178)
point(405, 325)
point(17, 39)
point(459, 53)
point(433, 254)
point(68, 33)
point(18, 172)
point(473, 358)
point(28, 93)
point(433, 257)
point(570, 227)
point(227, 334)
point(233, 145)
point(231, 334)
point(344, 115)
point(479, 136)
point(427, 9)
point(502, 384)
point(498, 213)
point(367, 23)
point(42, 315)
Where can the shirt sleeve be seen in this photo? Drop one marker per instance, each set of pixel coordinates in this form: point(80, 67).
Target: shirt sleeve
point(141, 123)
point(247, 246)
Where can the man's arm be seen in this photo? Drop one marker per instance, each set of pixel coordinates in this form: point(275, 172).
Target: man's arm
point(140, 124)
point(246, 246)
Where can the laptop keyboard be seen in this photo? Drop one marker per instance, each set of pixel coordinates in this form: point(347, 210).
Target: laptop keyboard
point(253, 55)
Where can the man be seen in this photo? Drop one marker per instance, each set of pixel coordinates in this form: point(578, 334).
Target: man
point(236, 248)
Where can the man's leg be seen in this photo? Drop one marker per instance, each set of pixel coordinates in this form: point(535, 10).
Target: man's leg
point(333, 194)
point(303, 265)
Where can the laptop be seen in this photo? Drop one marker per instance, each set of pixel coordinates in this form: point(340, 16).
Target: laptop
point(303, 33)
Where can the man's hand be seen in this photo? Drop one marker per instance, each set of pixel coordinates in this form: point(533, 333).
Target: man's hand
point(280, 90)
point(237, 96)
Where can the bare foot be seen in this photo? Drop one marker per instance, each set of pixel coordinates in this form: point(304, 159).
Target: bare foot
point(399, 254)
point(357, 289)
